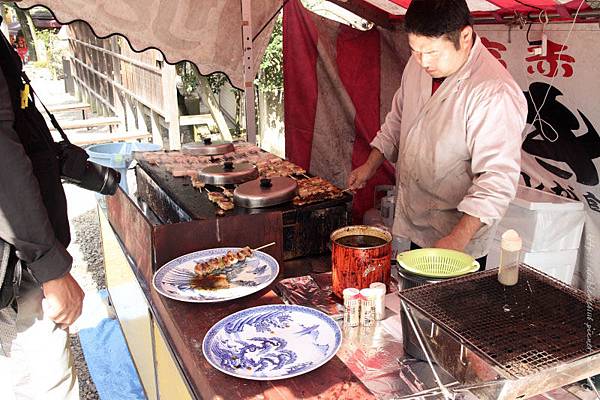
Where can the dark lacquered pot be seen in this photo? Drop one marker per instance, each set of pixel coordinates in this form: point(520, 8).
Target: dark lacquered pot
point(358, 267)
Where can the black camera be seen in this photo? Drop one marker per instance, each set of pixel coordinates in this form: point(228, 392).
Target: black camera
point(75, 168)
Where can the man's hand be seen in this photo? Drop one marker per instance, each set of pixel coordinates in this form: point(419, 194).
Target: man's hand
point(451, 242)
point(461, 235)
point(64, 300)
point(359, 177)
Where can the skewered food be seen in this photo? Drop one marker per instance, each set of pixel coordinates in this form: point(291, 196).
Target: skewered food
point(221, 200)
point(316, 189)
point(228, 193)
point(197, 182)
point(214, 264)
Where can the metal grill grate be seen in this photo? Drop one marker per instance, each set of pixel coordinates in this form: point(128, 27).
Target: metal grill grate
point(522, 329)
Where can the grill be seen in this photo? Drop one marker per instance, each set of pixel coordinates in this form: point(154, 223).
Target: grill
point(537, 324)
point(305, 230)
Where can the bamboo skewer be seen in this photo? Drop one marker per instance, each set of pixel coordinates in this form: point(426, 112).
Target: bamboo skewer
point(264, 246)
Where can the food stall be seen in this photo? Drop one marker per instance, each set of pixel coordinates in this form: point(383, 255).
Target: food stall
point(188, 340)
point(167, 225)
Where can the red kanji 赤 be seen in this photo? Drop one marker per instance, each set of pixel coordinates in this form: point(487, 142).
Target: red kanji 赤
point(495, 48)
point(548, 65)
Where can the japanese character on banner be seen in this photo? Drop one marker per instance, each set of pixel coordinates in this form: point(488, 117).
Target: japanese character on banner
point(592, 201)
point(495, 48)
point(555, 140)
point(557, 189)
point(548, 65)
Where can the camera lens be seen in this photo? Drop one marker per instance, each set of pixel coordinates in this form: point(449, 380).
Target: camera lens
point(100, 179)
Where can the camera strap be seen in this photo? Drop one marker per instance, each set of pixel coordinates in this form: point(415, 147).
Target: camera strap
point(52, 118)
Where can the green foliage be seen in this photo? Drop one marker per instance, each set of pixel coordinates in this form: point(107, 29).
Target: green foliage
point(270, 76)
point(216, 81)
point(189, 77)
point(56, 49)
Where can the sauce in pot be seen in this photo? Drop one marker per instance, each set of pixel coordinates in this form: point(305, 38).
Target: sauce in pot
point(363, 241)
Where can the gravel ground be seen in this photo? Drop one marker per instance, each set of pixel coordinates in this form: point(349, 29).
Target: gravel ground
point(88, 269)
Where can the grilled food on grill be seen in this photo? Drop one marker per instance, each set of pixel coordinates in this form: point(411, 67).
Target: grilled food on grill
point(316, 189)
point(214, 264)
point(221, 200)
point(197, 182)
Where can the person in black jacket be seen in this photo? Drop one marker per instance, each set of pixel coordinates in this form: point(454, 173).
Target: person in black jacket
point(35, 360)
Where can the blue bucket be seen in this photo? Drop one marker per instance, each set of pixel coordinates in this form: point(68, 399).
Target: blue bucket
point(118, 156)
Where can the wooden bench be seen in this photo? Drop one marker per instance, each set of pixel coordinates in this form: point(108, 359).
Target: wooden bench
point(56, 108)
point(83, 139)
point(200, 119)
point(89, 123)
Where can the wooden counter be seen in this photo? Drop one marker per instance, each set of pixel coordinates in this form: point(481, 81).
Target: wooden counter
point(146, 244)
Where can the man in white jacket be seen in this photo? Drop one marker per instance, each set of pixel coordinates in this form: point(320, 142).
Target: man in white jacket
point(453, 133)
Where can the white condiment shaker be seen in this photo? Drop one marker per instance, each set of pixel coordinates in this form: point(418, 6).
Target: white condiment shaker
point(351, 307)
point(367, 307)
point(380, 290)
point(510, 254)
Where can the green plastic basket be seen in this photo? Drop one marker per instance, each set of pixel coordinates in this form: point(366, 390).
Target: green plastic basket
point(437, 263)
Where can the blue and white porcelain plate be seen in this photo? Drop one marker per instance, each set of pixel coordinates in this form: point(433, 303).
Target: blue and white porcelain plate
point(272, 342)
point(177, 279)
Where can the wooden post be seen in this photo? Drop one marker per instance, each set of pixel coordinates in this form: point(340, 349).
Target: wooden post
point(129, 113)
point(171, 110)
point(141, 118)
point(248, 70)
point(205, 93)
point(155, 128)
point(118, 101)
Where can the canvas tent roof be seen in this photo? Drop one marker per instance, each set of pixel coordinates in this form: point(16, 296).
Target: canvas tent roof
point(208, 33)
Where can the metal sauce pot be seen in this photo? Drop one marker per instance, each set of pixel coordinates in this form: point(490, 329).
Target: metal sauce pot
point(360, 255)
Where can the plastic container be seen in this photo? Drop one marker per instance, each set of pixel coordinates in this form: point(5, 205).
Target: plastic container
point(545, 221)
point(367, 307)
point(510, 254)
point(437, 263)
point(351, 307)
point(379, 290)
point(118, 156)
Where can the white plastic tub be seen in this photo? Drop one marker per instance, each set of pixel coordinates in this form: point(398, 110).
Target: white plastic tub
point(545, 221)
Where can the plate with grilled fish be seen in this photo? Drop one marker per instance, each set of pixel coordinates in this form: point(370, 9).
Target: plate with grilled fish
point(215, 275)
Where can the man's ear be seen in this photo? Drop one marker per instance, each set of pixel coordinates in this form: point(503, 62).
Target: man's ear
point(466, 36)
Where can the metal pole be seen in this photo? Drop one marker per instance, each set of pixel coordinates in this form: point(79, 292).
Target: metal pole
point(248, 63)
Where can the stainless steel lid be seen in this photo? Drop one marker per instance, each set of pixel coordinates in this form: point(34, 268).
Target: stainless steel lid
point(265, 192)
point(228, 172)
point(207, 148)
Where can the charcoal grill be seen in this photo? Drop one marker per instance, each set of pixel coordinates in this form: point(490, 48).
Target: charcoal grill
point(532, 337)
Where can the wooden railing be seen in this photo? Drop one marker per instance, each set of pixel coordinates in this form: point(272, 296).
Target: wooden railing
point(139, 88)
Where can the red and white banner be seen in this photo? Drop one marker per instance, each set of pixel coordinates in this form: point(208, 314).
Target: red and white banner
point(561, 146)
point(339, 83)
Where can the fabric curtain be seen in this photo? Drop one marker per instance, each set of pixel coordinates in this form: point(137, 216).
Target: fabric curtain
point(207, 33)
point(339, 83)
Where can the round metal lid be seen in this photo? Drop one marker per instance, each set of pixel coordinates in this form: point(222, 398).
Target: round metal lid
point(265, 192)
point(228, 172)
point(207, 148)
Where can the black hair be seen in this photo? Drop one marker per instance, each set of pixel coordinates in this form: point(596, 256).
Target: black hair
point(435, 18)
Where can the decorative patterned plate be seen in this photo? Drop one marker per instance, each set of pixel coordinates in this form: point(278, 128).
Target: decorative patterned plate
point(272, 342)
point(177, 280)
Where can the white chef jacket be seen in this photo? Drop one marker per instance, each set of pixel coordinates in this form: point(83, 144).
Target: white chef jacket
point(456, 151)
